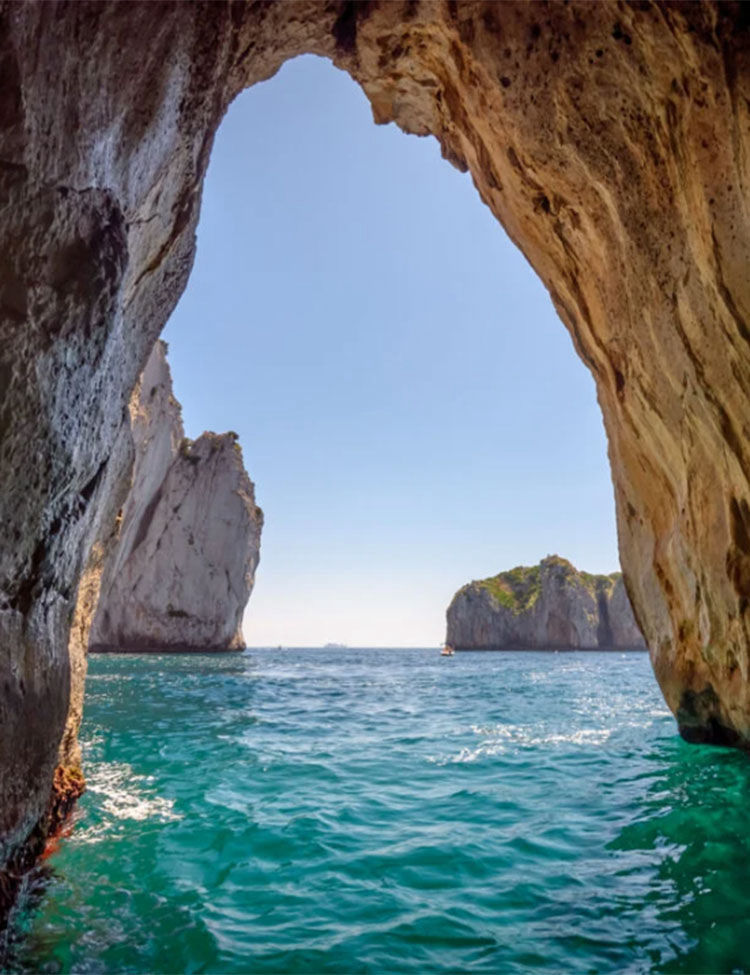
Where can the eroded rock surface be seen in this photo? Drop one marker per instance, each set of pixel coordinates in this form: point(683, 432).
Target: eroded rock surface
point(184, 567)
point(612, 142)
point(550, 606)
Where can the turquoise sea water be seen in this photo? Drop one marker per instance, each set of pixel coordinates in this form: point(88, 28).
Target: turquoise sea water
point(394, 811)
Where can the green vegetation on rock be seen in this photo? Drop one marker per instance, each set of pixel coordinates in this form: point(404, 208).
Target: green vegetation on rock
point(597, 583)
point(517, 589)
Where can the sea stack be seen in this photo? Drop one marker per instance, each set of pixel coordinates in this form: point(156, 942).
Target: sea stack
point(184, 566)
point(550, 606)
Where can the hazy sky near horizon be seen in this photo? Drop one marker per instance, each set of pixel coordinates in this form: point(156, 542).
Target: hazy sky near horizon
point(410, 407)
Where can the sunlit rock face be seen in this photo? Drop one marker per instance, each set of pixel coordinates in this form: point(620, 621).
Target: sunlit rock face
point(183, 569)
point(624, 632)
point(611, 141)
point(550, 606)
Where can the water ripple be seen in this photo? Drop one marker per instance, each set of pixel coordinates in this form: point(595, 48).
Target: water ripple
point(383, 811)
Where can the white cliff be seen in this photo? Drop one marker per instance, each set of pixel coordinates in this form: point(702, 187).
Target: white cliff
point(184, 567)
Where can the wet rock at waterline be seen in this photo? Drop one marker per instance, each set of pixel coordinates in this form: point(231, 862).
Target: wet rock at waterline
point(183, 569)
point(550, 606)
point(610, 140)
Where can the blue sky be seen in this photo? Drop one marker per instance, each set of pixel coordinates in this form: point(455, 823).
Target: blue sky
point(410, 407)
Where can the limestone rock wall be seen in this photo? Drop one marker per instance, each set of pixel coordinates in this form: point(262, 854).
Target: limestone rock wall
point(551, 606)
point(611, 140)
point(184, 567)
point(624, 629)
point(114, 492)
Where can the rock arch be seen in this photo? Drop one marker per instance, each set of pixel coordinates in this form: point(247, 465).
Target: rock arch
point(612, 142)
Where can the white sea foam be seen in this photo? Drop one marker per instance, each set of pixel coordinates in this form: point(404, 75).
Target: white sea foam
point(123, 794)
point(500, 739)
point(93, 834)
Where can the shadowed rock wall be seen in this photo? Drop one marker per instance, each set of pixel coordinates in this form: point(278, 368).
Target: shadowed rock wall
point(611, 141)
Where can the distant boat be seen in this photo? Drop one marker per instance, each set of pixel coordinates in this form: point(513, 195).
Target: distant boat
point(335, 646)
point(447, 651)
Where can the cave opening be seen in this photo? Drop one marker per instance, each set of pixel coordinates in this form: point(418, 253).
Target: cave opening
point(411, 410)
point(609, 140)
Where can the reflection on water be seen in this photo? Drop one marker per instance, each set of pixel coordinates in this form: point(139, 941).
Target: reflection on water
point(692, 827)
point(350, 811)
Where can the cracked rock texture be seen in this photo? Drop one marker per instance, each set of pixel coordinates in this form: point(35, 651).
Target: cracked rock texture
point(183, 569)
point(550, 606)
point(612, 142)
